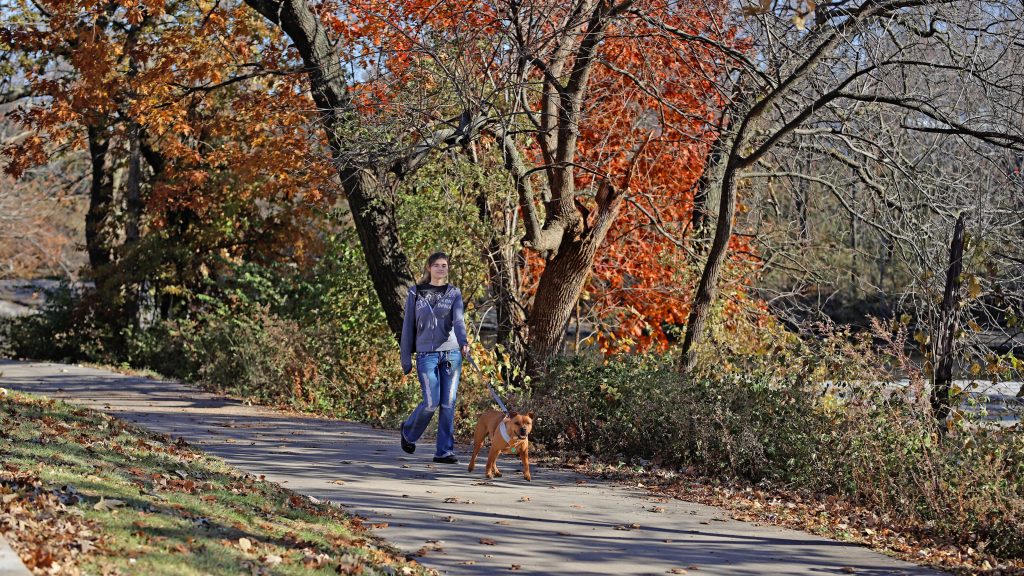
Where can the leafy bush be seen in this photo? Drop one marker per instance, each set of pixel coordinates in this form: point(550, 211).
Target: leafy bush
point(785, 422)
point(67, 328)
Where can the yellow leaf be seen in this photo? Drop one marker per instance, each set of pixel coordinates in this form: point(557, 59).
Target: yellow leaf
point(973, 287)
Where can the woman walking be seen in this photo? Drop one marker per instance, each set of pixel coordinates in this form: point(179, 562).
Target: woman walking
point(435, 329)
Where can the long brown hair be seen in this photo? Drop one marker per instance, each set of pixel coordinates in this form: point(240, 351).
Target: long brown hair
point(430, 262)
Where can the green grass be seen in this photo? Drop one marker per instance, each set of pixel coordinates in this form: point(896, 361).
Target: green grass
point(87, 493)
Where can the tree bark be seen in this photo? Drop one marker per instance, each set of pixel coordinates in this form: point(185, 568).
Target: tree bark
point(943, 351)
point(101, 200)
point(559, 289)
point(711, 176)
point(707, 290)
point(563, 280)
point(370, 202)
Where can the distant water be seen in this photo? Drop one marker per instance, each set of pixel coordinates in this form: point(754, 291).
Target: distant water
point(996, 403)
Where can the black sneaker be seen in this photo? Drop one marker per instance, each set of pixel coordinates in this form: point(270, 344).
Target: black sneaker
point(449, 459)
point(409, 447)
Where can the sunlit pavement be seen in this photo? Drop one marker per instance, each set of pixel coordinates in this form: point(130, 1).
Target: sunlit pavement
point(561, 523)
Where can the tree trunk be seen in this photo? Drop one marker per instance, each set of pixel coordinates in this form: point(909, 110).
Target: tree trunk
point(854, 273)
point(943, 351)
point(560, 286)
point(712, 175)
point(133, 197)
point(708, 287)
point(101, 200)
point(714, 167)
point(377, 226)
point(563, 280)
point(368, 198)
point(133, 212)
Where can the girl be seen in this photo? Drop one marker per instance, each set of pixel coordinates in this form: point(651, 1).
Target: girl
point(435, 328)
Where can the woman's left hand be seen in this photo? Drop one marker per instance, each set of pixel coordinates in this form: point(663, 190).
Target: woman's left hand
point(465, 350)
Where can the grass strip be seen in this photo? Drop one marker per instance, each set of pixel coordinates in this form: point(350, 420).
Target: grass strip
point(82, 492)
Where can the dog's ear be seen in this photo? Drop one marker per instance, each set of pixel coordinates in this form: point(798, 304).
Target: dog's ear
point(530, 414)
point(512, 414)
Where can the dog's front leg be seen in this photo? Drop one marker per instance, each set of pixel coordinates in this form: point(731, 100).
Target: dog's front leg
point(476, 450)
point(524, 454)
point(492, 462)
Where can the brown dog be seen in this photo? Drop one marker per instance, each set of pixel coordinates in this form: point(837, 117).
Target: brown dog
point(507, 435)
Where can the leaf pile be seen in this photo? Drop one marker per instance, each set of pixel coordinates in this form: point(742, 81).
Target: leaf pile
point(42, 525)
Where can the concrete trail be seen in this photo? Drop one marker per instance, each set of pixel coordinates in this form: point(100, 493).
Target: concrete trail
point(561, 523)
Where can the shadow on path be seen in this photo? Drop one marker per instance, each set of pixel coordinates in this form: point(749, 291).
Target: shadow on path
point(561, 523)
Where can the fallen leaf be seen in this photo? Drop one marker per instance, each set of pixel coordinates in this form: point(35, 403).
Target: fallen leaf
point(677, 571)
point(111, 504)
point(515, 567)
point(244, 544)
point(272, 560)
point(524, 499)
point(847, 570)
point(487, 542)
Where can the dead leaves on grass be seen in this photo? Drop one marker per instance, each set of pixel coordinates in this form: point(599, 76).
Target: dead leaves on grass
point(46, 526)
point(49, 537)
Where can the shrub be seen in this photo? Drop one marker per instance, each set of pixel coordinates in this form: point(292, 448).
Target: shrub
point(785, 422)
point(67, 328)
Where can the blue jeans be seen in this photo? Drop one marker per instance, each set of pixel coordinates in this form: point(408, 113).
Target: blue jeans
point(439, 374)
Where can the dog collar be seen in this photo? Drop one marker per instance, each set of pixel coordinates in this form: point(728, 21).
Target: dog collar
point(504, 433)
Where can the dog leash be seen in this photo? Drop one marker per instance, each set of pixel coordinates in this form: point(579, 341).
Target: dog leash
point(494, 394)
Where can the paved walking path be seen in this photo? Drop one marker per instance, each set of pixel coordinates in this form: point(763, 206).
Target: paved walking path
point(10, 564)
point(561, 523)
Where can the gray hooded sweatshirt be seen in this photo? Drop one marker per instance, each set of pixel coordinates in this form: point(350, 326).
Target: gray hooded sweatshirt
point(434, 328)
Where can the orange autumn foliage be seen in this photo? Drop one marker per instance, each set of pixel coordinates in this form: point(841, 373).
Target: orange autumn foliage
point(216, 101)
point(647, 88)
point(651, 94)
